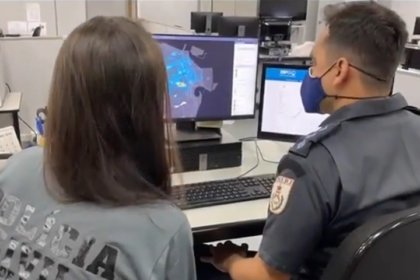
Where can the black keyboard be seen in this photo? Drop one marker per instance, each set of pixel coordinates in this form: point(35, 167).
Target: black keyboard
point(223, 192)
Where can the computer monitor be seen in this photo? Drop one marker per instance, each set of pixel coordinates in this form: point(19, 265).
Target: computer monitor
point(205, 22)
point(294, 9)
point(210, 78)
point(239, 26)
point(416, 30)
point(282, 116)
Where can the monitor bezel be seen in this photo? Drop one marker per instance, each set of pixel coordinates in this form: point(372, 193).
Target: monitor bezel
point(225, 118)
point(270, 15)
point(263, 135)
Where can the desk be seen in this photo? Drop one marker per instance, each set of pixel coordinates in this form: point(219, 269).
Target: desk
point(215, 216)
point(11, 105)
point(242, 211)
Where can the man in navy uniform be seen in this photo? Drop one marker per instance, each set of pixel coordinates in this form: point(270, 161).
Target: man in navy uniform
point(363, 162)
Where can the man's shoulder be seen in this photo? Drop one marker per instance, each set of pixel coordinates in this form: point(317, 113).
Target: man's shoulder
point(318, 160)
point(318, 166)
point(305, 145)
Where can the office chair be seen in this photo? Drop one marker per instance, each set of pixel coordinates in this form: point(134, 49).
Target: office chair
point(387, 248)
point(37, 32)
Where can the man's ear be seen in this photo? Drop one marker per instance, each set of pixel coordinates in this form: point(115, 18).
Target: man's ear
point(341, 71)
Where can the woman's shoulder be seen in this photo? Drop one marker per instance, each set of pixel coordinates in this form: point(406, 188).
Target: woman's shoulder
point(27, 158)
point(23, 167)
point(164, 217)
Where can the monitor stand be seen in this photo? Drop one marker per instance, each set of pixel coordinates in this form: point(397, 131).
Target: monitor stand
point(188, 132)
point(209, 19)
point(241, 31)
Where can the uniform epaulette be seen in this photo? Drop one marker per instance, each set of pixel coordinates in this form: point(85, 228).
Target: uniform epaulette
point(304, 145)
point(413, 110)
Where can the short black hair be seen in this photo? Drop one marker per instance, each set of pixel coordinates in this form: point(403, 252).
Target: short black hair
point(373, 35)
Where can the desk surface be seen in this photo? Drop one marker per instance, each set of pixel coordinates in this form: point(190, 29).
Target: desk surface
point(242, 211)
point(11, 102)
point(236, 212)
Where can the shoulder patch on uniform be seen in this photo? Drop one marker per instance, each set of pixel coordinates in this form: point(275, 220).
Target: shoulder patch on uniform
point(304, 145)
point(280, 194)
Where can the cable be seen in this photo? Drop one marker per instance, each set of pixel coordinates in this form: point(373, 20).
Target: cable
point(8, 88)
point(30, 127)
point(246, 139)
point(255, 166)
point(258, 153)
point(262, 155)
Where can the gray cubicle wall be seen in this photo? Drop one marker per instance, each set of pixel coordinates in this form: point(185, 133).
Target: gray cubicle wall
point(28, 66)
point(16, 11)
point(106, 8)
point(60, 16)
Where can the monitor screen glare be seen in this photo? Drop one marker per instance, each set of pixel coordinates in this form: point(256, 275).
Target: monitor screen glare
point(283, 111)
point(210, 77)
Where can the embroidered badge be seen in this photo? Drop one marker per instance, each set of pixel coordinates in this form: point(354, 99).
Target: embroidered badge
point(280, 194)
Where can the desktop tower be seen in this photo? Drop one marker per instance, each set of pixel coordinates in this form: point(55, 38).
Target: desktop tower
point(210, 154)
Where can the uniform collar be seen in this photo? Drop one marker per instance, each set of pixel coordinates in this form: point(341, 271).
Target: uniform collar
point(367, 108)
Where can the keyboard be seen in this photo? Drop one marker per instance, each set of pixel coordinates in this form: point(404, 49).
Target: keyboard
point(213, 193)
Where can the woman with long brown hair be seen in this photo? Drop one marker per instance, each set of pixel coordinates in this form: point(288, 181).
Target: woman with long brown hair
point(95, 202)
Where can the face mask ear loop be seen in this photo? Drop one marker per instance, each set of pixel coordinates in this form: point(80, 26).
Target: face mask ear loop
point(328, 70)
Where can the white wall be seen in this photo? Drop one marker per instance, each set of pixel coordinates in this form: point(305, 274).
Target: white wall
point(177, 12)
point(160, 16)
point(408, 10)
point(60, 16)
point(106, 8)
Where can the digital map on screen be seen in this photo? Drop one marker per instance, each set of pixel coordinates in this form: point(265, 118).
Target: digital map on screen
point(187, 80)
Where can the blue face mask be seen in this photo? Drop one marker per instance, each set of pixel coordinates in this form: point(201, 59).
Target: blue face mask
point(312, 93)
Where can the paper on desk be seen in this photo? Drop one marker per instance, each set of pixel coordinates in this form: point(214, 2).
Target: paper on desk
point(9, 143)
point(17, 27)
point(33, 25)
point(33, 12)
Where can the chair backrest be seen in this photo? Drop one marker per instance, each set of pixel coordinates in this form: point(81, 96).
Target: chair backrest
point(387, 248)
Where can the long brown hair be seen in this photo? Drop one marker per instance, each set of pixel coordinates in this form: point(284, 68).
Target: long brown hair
point(105, 135)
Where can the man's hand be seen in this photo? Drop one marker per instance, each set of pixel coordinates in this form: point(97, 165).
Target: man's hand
point(224, 253)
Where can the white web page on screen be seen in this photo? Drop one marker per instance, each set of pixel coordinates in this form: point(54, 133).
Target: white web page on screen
point(283, 111)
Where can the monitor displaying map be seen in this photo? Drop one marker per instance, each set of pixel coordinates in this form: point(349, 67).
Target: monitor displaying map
point(209, 77)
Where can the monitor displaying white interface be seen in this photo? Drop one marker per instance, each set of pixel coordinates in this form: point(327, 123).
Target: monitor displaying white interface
point(282, 108)
point(210, 77)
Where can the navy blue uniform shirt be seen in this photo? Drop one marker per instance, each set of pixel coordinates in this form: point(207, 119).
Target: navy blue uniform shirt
point(361, 164)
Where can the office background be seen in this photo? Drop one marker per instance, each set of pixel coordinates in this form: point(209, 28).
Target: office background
point(61, 16)
point(28, 62)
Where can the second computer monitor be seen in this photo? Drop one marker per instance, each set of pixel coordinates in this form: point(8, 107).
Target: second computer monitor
point(205, 22)
point(239, 26)
point(210, 77)
point(416, 30)
point(282, 116)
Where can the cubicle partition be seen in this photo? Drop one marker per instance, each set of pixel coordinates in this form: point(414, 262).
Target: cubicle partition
point(160, 28)
point(29, 63)
point(28, 66)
